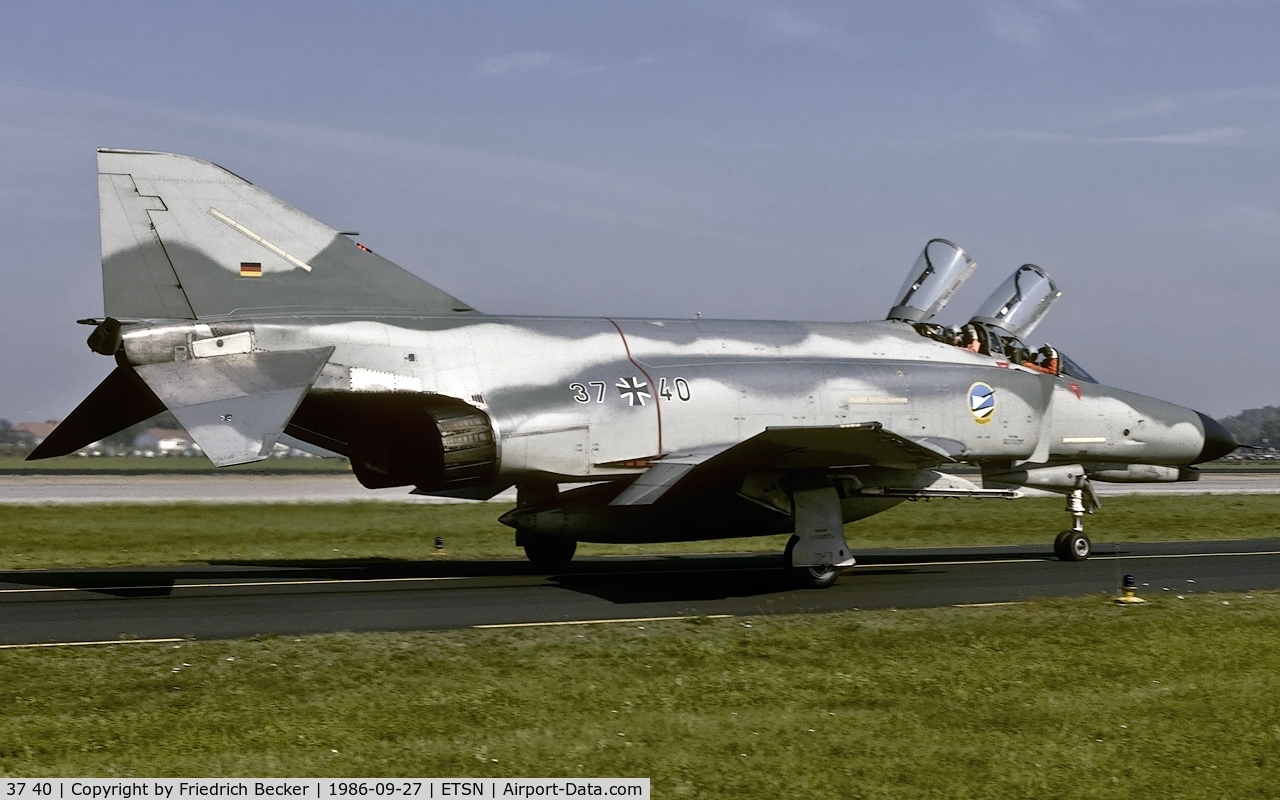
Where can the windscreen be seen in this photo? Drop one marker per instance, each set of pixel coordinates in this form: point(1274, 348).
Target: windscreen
point(1020, 302)
point(937, 273)
point(1073, 370)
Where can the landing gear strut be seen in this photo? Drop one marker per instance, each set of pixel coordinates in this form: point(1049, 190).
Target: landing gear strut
point(546, 552)
point(1074, 544)
point(817, 551)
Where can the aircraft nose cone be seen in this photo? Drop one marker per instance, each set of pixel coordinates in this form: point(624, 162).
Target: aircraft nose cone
point(1218, 441)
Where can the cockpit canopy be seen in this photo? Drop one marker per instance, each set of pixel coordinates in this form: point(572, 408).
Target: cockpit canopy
point(937, 273)
point(1017, 307)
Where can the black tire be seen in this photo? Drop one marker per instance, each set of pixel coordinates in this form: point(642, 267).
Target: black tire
point(546, 552)
point(1059, 548)
point(807, 577)
point(1072, 546)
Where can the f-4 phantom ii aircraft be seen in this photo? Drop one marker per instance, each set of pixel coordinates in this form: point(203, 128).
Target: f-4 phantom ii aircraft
point(254, 323)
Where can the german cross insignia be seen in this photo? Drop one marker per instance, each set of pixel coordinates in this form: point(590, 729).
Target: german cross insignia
point(635, 390)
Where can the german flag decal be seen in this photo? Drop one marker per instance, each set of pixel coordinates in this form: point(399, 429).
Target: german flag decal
point(250, 269)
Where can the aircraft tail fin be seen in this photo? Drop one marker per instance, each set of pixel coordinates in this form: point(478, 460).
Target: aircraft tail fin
point(186, 239)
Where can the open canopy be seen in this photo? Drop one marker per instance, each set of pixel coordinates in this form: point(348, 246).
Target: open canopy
point(937, 273)
point(1019, 304)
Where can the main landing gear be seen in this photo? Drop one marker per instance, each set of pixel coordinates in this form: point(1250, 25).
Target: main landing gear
point(807, 577)
point(1074, 544)
point(817, 551)
point(546, 552)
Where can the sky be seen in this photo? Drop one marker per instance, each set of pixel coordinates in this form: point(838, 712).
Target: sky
point(662, 159)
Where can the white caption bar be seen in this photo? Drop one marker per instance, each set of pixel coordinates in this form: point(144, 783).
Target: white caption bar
point(320, 789)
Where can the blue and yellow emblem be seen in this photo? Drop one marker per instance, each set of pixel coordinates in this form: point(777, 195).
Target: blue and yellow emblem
point(982, 402)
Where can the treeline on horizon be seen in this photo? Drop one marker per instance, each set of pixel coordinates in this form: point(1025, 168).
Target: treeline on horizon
point(1259, 427)
point(18, 442)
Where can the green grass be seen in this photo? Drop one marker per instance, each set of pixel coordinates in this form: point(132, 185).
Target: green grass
point(1239, 466)
point(139, 465)
point(1053, 699)
point(117, 535)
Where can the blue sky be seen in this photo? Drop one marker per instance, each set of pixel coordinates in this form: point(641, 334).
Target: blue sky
point(749, 160)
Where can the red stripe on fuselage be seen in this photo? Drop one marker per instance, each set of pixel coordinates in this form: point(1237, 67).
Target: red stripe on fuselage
point(657, 400)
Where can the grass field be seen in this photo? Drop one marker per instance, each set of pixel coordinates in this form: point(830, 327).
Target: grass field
point(139, 465)
point(1055, 698)
point(1052, 699)
point(117, 535)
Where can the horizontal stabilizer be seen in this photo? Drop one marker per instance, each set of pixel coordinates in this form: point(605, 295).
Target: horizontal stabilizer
point(865, 444)
point(119, 401)
point(236, 406)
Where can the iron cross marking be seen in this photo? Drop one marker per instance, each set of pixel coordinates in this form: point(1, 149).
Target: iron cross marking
point(634, 390)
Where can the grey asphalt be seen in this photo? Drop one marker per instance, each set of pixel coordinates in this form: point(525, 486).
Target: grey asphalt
point(343, 488)
point(233, 600)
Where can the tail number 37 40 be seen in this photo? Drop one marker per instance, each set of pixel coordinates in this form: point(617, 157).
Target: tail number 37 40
point(676, 389)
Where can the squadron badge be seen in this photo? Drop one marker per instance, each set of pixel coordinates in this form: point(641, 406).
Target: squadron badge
point(982, 402)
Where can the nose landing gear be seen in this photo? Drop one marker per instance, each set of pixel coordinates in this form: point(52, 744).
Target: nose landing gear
point(1074, 544)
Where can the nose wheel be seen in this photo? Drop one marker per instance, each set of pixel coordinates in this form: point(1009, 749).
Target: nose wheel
point(1074, 544)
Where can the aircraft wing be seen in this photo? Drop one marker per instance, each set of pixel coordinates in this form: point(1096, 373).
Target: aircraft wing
point(866, 444)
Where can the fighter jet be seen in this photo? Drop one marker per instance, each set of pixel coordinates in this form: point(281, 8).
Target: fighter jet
point(255, 324)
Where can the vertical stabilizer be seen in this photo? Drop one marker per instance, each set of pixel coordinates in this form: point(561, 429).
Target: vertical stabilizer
point(186, 239)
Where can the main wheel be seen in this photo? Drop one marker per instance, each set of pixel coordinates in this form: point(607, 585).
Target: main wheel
point(807, 577)
point(1072, 546)
point(547, 552)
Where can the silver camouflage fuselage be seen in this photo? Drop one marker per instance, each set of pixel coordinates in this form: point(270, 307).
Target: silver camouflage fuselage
point(594, 398)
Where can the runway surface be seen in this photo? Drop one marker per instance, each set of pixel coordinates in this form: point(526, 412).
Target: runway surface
point(243, 599)
point(343, 488)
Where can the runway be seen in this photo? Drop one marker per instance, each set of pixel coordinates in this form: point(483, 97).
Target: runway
point(343, 488)
point(244, 599)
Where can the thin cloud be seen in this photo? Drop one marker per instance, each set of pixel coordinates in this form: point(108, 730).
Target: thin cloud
point(1203, 99)
point(524, 61)
point(1249, 220)
point(537, 61)
point(786, 25)
point(1028, 24)
point(1017, 26)
point(1206, 136)
point(494, 177)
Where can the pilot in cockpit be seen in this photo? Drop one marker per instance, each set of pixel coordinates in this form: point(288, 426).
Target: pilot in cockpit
point(1016, 351)
point(996, 330)
point(1048, 359)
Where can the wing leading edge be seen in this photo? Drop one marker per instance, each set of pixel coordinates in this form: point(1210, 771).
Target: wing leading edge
point(866, 444)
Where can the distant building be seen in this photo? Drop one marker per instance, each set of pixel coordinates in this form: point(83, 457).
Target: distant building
point(166, 442)
point(38, 431)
